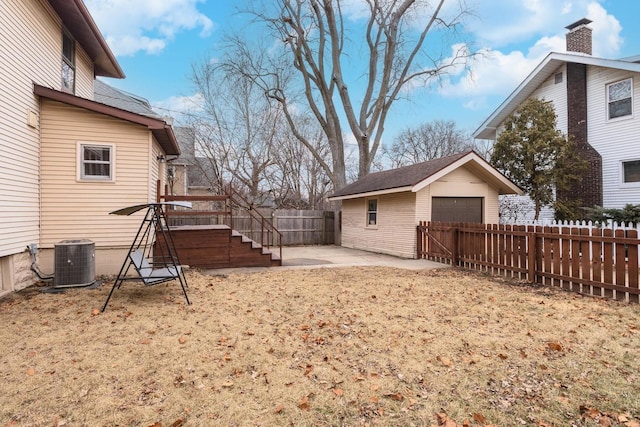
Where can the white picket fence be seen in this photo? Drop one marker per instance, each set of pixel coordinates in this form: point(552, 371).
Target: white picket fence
point(578, 224)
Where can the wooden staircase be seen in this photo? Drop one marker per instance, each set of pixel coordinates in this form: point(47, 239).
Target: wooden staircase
point(218, 246)
point(210, 238)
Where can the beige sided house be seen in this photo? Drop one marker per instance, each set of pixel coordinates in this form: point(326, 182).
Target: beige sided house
point(380, 211)
point(67, 160)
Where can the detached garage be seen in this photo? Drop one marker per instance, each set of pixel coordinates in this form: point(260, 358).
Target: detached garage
point(380, 212)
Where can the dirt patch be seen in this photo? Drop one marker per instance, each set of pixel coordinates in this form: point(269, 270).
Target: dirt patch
point(330, 346)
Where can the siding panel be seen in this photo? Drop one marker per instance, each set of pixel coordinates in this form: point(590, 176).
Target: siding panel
point(616, 141)
point(31, 45)
point(73, 209)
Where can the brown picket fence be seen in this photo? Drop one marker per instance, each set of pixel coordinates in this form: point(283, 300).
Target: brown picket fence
point(594, 261)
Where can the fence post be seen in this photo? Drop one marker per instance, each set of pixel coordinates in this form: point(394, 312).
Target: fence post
point(531, 259)
point(454, 246)
point(419, 237)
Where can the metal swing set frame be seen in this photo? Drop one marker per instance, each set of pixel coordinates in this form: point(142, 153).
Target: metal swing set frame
point(153, 253)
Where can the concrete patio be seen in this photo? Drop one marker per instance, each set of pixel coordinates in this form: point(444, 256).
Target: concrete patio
point(305, 257)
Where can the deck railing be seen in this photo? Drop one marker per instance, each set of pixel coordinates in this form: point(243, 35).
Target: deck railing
point(230, 209)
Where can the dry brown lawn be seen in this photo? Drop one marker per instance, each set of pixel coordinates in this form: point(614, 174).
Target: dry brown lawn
point(340, 346)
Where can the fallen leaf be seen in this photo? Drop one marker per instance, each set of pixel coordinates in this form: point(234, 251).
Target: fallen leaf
point(31, 371)
point(503, 356)
point(145, 341)
point(95, 312)
point(338, 391)
point(555, 346)
point(182, 340)
point(445, 361)
point(304, 403)
point(394, 396)
point(279, 408)
point(479, 418)
point(178, 423)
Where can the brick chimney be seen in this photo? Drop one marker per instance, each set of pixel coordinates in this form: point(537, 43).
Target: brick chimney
point(588, 192)
point(579, 37)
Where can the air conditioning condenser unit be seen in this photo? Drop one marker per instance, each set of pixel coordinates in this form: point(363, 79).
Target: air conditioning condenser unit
point(74, 263)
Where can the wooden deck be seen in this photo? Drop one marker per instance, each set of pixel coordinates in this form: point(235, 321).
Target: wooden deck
point(218, 246)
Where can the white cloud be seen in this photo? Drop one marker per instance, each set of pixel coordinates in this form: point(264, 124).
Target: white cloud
point(497, 73)
point(181, 108)
point(146, 25)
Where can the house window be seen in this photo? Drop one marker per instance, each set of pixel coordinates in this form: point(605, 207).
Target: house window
point(372, 212)
point(96, 162)
point(631, 171)
point(68, 63)
point(619, 97)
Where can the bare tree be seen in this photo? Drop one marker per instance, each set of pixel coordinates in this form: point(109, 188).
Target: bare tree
point(403, 42)
point(238, 132)
point(427, 142)
point(303, 182)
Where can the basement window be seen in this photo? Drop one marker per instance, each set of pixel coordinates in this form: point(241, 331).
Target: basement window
point(619, 99)
point(631, 171)
point(372, 212)
point(96, 162)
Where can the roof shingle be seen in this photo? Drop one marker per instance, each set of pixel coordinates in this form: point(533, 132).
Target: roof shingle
point(406, 176)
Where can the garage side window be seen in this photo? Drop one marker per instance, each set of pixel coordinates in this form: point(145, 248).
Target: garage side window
point(96, 162)
point(372, 212)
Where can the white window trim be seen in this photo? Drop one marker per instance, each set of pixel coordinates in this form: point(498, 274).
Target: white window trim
point(627, 184)
point(366, 218)
point(606, 101)
point(80, 162)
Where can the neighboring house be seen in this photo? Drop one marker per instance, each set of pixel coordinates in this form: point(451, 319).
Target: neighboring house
point(68, 158)
point(595, 100)
point(192, 174)
point(380, 211)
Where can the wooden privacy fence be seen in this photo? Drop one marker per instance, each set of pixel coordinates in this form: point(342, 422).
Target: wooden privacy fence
point(305, 227)
point(594, 261)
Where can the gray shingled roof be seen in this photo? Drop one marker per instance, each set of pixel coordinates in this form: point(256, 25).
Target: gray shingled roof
point(406, 176)
point(113, 97)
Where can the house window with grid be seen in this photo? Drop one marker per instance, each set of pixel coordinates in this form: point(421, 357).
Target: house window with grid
point(619, 99)
point(96, 162)
point(68, 63)
point(631, 172)
point(372, 212)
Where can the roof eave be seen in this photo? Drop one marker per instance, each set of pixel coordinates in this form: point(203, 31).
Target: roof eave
point(489, 173)
point(162, 131)
point(370, 193)
point(487, 130)
point(78, 21)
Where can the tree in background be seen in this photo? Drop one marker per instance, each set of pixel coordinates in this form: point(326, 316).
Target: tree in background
point(242, 138)
point(427, 142)
point(536, 156)
point(402, 43)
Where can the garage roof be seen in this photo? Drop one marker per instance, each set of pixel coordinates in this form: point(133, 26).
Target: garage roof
point(415, 177)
